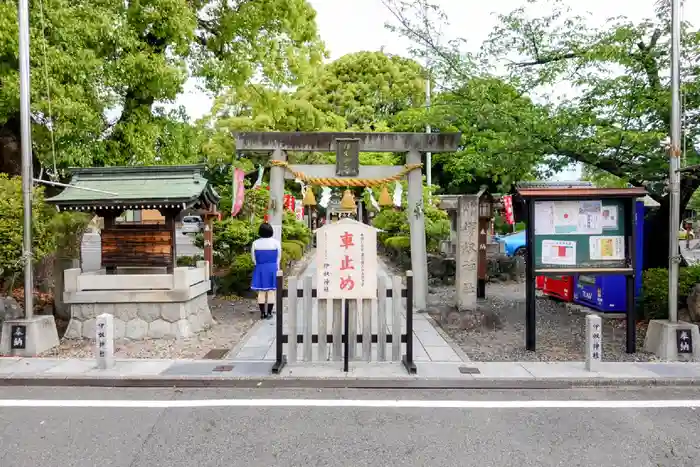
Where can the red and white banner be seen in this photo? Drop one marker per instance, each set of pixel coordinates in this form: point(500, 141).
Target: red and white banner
point(289, 202)
point(238, 191)
point(508, 206)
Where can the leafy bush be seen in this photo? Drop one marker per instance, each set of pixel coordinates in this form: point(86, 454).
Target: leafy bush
point(232, 237)
point(395, 223)
point(398, 243)
point(654, 299)
point(501, 227)
point(236, 279)
point(68, 229)
point(301, 244)
point(294, 251)
point(188, 261)
point(294, 229)
point(11, 226)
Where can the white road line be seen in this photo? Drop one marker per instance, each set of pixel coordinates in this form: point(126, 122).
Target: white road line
point(341, 403)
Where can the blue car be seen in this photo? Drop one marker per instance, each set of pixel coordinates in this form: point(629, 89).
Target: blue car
point(514, 243)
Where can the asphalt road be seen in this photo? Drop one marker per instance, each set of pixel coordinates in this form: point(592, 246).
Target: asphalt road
point(91, 249)
point(306, 429)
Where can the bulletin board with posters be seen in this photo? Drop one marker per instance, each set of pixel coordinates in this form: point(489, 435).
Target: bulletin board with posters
point(575, 235)
point(579, 230)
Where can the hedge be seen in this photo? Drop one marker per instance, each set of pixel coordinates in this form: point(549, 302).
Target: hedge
point(654, 300)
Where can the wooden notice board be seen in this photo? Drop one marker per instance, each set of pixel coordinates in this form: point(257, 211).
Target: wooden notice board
point(572, 235)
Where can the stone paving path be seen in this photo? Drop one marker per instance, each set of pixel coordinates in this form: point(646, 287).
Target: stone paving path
point(429, 345)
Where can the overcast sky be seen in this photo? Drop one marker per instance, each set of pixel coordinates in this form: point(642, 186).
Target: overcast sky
point(349, 26)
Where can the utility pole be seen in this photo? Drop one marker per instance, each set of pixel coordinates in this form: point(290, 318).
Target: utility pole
point(675, 161)
point(26, 151)
point(428, 155)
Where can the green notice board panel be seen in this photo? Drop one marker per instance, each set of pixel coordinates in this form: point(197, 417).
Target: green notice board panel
point(579, 234)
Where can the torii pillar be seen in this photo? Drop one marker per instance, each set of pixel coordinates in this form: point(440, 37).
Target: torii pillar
point(347, 147)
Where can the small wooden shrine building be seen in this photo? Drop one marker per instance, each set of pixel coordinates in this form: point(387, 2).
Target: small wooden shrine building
point(109, 191)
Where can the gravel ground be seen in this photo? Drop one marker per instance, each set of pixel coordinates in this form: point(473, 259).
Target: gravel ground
point(497, 331)
point(233, 319)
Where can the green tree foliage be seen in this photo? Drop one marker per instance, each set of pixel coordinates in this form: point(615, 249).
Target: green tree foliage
point(11, 227)
point(367, 88)
point(618, 116)
point(108, 64)
point(602, 179)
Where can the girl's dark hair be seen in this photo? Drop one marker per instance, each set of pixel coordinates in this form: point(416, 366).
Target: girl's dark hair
point(265, 230)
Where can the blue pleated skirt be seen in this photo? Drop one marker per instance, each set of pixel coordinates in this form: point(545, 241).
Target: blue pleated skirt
point(265, 272)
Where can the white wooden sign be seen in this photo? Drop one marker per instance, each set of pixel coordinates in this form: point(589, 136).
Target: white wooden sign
point(346, 260)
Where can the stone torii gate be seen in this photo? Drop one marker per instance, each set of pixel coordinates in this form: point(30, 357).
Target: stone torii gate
point(347, 147)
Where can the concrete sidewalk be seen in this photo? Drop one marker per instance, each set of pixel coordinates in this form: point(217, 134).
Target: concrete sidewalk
point(238, 373)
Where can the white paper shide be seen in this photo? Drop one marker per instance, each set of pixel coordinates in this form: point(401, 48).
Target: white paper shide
point(346, 260)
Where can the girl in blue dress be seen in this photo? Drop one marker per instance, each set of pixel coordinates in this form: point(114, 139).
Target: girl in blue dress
point(267, 254)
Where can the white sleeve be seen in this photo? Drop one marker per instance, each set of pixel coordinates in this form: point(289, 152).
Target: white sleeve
point(252, 252)
point(279, 254)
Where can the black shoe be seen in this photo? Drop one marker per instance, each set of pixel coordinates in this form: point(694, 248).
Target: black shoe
point(269, 311)
point(263, 315)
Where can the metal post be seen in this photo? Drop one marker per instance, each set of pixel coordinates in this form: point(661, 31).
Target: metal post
point(346, 357)
point(530, 302)
point(428, 155)
point(26, 142)
point(674, 163)
point(631, 240)
point(408, 362)
point(280, 359)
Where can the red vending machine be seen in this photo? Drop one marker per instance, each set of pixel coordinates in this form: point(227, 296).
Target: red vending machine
point(561, 287)
point(539, 282)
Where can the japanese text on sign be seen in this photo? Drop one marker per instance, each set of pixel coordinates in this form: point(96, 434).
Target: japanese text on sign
point(19, 337)
point(684, 341)
point(346, 260)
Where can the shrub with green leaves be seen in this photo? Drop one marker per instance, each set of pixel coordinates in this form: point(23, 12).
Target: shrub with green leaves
point(654, 300)
point(294, 251)
point(395, 223)
point(11, 226)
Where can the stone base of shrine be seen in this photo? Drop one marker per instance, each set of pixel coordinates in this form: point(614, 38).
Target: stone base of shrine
point(144, 306)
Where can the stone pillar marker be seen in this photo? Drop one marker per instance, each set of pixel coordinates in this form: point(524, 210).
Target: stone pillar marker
point(594, 342)
point(104, 341)
point(416, 220)
point(276, 210)
point(466, 275)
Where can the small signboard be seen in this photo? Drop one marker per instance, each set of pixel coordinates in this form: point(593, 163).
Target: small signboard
point(346, 260)
point(684, 341)
point(19, 337)
point(347, 157)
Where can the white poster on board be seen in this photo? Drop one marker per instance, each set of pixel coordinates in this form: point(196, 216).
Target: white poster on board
point(609, 217)
point(607, 248)
point(566, 217)
point(560, 252)
point(589, 218)
point(544, 217)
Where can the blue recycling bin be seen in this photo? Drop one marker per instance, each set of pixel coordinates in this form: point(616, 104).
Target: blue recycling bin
point(608, 293)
